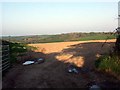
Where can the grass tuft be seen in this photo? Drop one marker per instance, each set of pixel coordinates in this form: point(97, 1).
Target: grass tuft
point(109, 64)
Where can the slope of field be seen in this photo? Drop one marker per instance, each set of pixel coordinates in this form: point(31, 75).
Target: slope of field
point(75, 52)
point(57, 47)
point(53, 72)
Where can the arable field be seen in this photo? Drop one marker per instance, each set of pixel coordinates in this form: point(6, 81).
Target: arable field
point(53, 73)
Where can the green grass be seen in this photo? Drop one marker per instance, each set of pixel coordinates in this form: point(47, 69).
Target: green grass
point(109, 64)
point(97, 37)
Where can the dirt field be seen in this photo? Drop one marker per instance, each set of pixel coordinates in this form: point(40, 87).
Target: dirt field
point(53, 72)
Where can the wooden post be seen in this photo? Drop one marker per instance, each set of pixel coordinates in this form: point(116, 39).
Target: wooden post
point(117, 44)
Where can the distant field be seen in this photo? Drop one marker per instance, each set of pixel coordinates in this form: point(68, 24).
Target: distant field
point(97, 37)
point(61, 37)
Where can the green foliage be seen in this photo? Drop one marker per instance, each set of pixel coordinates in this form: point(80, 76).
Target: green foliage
point(109, 64)
point(17, 49)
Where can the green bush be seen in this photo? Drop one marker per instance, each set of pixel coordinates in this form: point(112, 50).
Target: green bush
point(109, 64)
point(17, 49)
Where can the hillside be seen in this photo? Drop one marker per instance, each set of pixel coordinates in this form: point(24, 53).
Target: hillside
point(60, 37)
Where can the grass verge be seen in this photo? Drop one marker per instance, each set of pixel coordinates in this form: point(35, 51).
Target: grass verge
point(109, 64)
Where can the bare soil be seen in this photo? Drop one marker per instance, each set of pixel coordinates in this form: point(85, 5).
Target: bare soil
point(53, 72)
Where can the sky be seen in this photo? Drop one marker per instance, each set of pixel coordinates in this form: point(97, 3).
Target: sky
point(38, 18)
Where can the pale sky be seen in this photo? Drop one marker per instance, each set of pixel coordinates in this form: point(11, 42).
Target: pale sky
point(37, 18)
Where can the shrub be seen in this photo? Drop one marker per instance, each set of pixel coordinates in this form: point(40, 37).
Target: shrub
point(109, 64)
point(17, 49)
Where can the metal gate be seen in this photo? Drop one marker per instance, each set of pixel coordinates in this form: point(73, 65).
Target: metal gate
point(4, 56)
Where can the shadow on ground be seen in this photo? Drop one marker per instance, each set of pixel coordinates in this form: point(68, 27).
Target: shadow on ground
point(53, 73)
